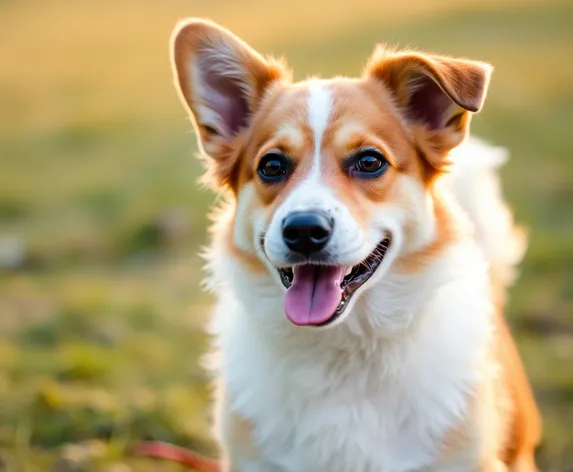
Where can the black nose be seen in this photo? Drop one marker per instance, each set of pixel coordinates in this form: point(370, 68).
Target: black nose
point(307, 232)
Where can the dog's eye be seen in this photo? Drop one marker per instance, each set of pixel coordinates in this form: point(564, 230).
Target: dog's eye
point(369, 163)
point(274, 167)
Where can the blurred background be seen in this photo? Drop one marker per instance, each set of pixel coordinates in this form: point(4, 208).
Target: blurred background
point(101, 312)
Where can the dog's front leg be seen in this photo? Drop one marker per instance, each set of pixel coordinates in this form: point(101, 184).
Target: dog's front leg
point(239, 451)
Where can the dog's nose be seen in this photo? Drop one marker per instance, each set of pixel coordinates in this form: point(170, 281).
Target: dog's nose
point(307, 232)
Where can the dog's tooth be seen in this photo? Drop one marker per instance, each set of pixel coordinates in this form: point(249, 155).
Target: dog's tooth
point(348, 270)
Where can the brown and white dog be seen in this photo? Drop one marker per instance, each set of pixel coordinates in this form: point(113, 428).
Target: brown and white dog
point(359, 265)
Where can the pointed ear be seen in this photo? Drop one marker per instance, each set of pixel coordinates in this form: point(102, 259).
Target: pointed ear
point(436, 95)
point(221, 80)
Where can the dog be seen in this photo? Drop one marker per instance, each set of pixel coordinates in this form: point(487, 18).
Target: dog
point(360, 263)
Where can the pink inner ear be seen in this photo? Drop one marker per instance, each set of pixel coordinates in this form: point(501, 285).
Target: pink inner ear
point(224, 94)
point(429, 104)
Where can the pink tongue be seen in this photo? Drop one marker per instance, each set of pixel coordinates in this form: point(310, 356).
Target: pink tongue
point(314, 294)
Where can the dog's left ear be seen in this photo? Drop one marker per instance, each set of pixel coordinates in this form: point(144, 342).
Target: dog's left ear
point(435, 94)
point(221, 80)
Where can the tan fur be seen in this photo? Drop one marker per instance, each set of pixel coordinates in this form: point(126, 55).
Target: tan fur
point(524, 423)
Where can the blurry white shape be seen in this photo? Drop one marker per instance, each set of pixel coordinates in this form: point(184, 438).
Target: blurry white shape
point(475, 181)
point(12, 252)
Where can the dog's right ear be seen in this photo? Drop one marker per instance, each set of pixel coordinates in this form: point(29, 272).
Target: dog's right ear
point(436, 95)
point(221, 80)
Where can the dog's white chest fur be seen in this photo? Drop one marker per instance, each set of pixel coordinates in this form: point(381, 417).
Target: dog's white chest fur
point(375, 394)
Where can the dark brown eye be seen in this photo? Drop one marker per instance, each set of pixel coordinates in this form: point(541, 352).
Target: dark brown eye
point(369, 163)
point(273, 167)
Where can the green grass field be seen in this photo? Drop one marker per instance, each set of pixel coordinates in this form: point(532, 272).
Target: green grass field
point(101, 313)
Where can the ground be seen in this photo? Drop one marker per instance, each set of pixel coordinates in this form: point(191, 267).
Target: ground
point(101, 312)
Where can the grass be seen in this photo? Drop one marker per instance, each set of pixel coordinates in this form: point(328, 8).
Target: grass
point(101, 317)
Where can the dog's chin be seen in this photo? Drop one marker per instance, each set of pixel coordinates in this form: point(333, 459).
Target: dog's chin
point(334, 287)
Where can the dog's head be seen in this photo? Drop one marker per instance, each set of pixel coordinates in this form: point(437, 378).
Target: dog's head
point(333, 179)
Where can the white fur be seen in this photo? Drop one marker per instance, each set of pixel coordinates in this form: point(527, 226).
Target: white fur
point(206, 115)
point(376, 393)
point(218, 60)
point(475, 181)
point(319, 106)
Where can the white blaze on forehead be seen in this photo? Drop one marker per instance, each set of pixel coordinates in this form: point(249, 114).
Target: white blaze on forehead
point(311, 193)
point(319, 106)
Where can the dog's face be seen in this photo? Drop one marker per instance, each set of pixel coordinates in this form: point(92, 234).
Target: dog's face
point(332, 178)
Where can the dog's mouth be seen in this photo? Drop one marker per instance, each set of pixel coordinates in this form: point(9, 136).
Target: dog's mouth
point(319, 294)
